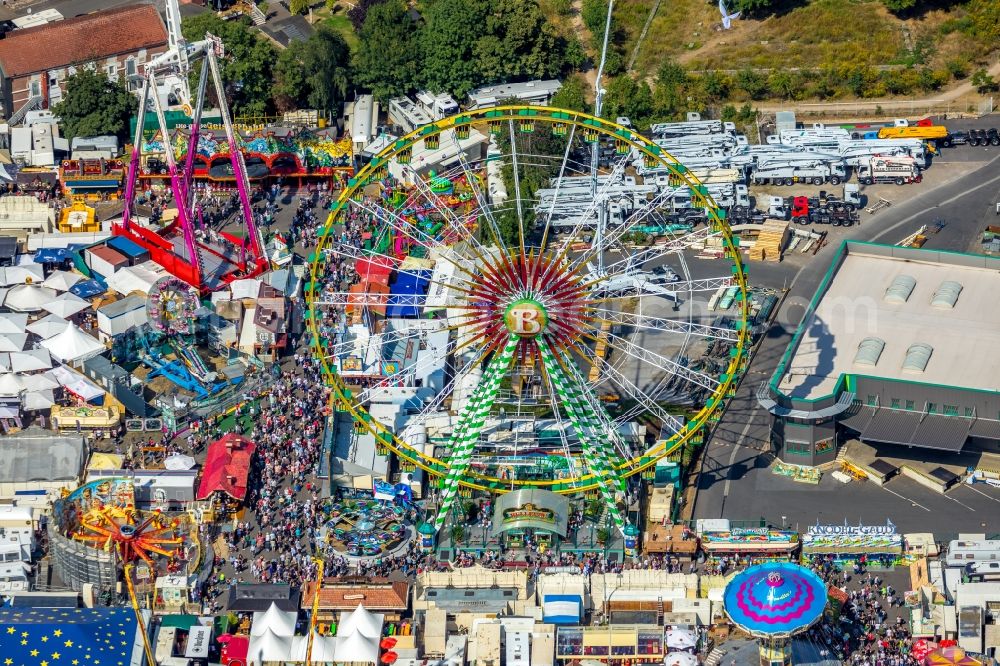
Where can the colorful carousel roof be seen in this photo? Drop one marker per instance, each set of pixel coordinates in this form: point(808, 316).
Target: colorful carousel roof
point(775, 600)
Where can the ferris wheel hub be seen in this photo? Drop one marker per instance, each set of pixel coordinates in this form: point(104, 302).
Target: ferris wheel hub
point(526, 318)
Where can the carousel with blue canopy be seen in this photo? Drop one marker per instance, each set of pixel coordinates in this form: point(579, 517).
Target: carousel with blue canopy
point(773, 602)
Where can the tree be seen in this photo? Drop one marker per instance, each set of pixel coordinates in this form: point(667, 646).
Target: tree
point(628, 97)
point(386, 60)
point(247, 71)
point(752, 7)
point(752, 83)
point(313, 73)
point(984, 82)
point(715, 86)
point(298, 6)
point(95, 105)
point(572, 95)
point(898, 6)
point(359, 11)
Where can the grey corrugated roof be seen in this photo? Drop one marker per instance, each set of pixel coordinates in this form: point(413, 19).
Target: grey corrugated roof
point(985, 428)
point(40, 455)
point(891, 426)
point(945, 433)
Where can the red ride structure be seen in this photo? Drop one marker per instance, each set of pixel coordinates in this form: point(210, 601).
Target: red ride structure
point(205, 259)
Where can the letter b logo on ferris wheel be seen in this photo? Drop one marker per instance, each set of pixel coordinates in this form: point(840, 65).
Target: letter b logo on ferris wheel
point(526, 318)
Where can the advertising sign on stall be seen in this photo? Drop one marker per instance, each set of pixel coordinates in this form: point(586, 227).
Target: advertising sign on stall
point(852, 540)
point(759, 539)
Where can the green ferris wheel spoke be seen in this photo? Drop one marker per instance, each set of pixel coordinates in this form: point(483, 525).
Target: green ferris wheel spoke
point(470, 425)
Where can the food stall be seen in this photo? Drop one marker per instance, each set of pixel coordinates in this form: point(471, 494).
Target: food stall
point(755, 543)
point(872, 544)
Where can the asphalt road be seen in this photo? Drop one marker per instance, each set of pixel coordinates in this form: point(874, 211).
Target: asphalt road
point(736, 482)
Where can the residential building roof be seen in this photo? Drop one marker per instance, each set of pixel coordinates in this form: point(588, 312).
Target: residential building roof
point(55, 45)
point(376, 594)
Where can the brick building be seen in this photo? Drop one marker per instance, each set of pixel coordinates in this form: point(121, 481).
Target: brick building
point(36, 62)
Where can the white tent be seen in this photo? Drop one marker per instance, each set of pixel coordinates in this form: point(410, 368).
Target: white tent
point(28, 298)
point(12, 322)
point(179, 461)
point(680, 659)
point(38, 400)
point(62, 280)
point(27, 361)
point(73, 345)
point(47, 326)
point(11, 384)
point(135, 278)
point(323, 649)
point(75, 383)
point(356, 648)
point(245, 288)
point(681, 639)
point(66, 305)
point(38, 382)
point(269, 646)
point(363, 621)
point(25, 274)
point(12, 342)
point(273, 619)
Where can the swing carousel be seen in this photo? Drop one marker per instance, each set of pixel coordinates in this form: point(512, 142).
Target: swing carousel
point(363, 528)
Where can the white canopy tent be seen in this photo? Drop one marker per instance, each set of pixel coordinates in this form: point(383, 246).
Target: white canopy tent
point(28, 297)
point(135, 278)
point(47, 326)
point(22, 274)
point(363, 621)
point(269, 646)
point(681, 639)
point(11, 384)
point(31, 360)
point(12, 322)
point(75, 383)
point(273, 619)
point(66, 305)
point(73, 345)
point(13, 342)
point(357, 649)
point(324, 649)
point(38, 400)
point(179, 461)
point(62, 280)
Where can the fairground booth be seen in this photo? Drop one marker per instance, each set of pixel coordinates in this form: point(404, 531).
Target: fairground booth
point(530, 516)
point(755, 543)
point(874, 545)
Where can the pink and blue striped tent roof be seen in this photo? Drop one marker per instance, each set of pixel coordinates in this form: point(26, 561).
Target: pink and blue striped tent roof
point(775, 600)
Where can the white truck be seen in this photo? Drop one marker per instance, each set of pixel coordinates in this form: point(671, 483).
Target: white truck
point(785, 173)
point(899, 170)
point(691, 127)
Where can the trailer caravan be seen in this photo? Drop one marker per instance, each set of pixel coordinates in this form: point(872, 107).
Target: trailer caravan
point(962, 552)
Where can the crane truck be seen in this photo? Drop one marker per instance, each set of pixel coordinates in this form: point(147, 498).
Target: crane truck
point(899, 170)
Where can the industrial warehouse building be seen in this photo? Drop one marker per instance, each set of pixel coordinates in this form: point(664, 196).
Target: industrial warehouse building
point(895, 348)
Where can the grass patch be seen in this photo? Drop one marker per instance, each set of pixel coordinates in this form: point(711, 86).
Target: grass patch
point(341, 24)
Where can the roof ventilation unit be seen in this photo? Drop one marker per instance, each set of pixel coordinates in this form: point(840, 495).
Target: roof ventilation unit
point(917, 356)
point(947, 294)
point(869, 352)
point(900, 289)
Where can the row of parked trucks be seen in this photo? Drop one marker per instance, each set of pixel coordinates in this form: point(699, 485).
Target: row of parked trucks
point(725, 162)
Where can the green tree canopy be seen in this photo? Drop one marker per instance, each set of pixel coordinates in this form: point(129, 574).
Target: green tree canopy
point(94, 105)
point(313, 73)
point(627, 97)
point(512, 41)
point(247, 70)
point(387, 60)
point(572, 95)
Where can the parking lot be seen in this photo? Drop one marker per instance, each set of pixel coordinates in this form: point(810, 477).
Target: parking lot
point(779, 500)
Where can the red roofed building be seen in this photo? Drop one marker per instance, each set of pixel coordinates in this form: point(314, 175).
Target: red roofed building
point(344, 594)
point(36, 62)
point(227, 467)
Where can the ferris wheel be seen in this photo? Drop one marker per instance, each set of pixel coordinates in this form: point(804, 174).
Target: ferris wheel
point(555, 289)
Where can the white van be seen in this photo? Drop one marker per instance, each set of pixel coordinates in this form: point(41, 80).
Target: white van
point(963, 552)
